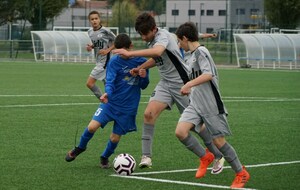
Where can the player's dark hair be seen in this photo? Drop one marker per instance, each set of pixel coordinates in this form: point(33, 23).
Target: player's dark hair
point(93, 13)
point(144, 23)
point(189, 30)
point(122, 41)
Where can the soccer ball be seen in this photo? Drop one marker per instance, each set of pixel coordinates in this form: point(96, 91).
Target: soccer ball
point(124, 164)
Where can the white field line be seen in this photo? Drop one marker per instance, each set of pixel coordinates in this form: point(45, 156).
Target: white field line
point(136, 175)
point(226, 99)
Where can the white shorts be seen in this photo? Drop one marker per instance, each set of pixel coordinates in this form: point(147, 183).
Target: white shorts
point(98, 73)
point(216, 124)
point(170, 94)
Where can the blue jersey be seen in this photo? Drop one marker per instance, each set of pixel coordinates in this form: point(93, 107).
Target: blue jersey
point(123, 89)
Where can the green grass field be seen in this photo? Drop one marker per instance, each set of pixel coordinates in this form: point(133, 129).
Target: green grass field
point(43, 104)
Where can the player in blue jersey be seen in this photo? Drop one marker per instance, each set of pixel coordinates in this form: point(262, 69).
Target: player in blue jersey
point(102, 43)
point(119, 102)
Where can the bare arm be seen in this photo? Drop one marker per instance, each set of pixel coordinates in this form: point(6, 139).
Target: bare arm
point(147, 65)
point(156, 51)
point(106, 51)
point(186, 89)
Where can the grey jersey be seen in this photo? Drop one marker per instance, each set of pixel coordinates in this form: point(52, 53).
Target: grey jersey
point(101, 39)
point(206, 98)
point(170, 64)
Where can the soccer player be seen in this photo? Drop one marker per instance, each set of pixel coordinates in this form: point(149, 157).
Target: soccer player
point(119, 102)
point(102, 43)
point(165, 54)
point(206, 104)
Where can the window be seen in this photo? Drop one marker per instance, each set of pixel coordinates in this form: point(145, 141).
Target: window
point(210, 12)
point(175, 12)
point(209, 30)
point(192, 12)
point(222, 12)
point(240, 11)
point(202, 13)
point(254, 11)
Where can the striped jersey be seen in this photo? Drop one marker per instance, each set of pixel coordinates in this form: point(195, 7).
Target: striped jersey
point(101, 39)
point(205, 97)
point(170, 64)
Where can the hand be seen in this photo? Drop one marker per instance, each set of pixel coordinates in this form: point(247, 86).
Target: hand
point(89, 47)
point(185, 89)
point(134, 72)
point(142, 73)
point(122, 52)
point(104, 98)
point(103, 52)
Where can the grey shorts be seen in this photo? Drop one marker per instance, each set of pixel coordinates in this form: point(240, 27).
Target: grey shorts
point(98, 73)
point(216, 124)
point(170, 94)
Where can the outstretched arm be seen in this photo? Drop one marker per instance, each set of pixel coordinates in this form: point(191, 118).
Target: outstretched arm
point(156, 51)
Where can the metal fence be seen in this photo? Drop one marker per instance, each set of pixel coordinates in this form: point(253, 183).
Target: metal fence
point(22, 50)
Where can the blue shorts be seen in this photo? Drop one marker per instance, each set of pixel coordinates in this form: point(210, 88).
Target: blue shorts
point(123, 123)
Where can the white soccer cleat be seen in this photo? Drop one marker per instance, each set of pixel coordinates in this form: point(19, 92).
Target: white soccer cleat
point(218, 166)
point(145, 162)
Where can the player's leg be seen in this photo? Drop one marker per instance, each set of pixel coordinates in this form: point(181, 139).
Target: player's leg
point(91, 84)
point(160, 100)
point(208, 141)
point(230, 155)
point(219, 128)
point(98, 73)
point(189, 118)
point(152, 112)
point(86, 136)
point(123, 124)
point(109, 150)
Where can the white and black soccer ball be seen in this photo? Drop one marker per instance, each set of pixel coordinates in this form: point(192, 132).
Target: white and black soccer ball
point(124, 164)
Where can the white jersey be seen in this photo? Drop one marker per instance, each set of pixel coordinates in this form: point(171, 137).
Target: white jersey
point(206, 98)
point(101, 39)
point(171, 66)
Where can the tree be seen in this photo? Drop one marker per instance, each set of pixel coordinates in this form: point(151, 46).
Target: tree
point(283, 13)
point(37, 12)
point(156, 6)
point(124, 14)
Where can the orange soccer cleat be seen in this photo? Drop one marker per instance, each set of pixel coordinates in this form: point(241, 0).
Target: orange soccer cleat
point(240, 179)
point(205, 161)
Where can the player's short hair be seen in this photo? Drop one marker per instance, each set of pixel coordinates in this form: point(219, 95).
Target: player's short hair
point(144, 23)
point(93, 13)
point(189, 30)
point(122, 41)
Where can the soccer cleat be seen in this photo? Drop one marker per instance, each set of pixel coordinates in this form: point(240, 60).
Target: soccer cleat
point(104, 163)
point(145, 162)
point(207, 159)
point(240, 179)
point(72, 154)
point(218, 166)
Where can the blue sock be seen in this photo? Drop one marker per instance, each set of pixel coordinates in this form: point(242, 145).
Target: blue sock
point(85, 138)
point(110, 149)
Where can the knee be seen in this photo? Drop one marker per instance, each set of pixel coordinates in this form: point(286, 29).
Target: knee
point(114, 138)
point(219, 142)
point(149, 116)
point(89, 84)
point(180, 134)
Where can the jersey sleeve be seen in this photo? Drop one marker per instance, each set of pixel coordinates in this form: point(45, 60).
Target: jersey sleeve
point(111, 74)
point(144, 82)
point(161, 39)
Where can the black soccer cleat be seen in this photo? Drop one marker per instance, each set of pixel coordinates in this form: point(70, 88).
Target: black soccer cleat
point(104, 163)
point(71, 155)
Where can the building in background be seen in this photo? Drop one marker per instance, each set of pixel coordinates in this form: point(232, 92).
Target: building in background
point(216, 15)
